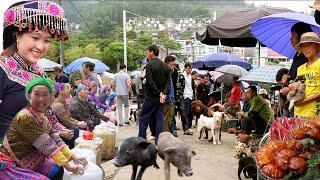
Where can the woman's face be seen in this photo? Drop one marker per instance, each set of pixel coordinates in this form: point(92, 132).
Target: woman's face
point(32, 46)
point(83, 94)
point(107, 92)
point(65, 92)
point(40, 98)
point(94, 89)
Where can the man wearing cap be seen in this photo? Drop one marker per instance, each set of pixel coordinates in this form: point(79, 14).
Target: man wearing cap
point(309, 106)
point(60, 76)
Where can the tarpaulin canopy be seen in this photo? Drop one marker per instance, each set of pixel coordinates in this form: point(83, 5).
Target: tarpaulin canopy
point(263, 74)
point(234, 29)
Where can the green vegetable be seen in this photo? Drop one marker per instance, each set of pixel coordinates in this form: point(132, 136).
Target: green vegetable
point(313, 171)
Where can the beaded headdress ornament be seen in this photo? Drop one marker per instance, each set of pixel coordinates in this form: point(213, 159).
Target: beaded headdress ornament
point(34, 16)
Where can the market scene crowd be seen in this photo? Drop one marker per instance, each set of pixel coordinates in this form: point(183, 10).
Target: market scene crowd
point(42, 120)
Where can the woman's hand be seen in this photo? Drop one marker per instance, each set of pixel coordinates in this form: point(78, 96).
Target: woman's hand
point(73, 168)
point(67, 134)
point(82, 125)
point(80, 160)
point(294, 85)
point(285, 90)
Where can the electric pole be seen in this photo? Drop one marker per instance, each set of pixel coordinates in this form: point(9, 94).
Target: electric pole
point(124, 20)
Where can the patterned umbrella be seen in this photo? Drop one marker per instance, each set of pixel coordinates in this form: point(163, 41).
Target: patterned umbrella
point(232, 69)
point(263, 74)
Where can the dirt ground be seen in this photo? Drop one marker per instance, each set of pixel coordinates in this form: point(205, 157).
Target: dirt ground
point(212, 162)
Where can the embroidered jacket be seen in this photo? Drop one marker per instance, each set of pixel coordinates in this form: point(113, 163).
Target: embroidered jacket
point(15, 73)
point(56, 125)
point(32, 140)
point(85, 110)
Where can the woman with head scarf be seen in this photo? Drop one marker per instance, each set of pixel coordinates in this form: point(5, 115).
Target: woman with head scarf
point(95, 99)
point(104, 93)
point(32, 140)
point(83, 109)
point(62, 112)
point(28, 29)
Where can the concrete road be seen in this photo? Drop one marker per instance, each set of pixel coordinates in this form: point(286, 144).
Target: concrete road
point(212, 162)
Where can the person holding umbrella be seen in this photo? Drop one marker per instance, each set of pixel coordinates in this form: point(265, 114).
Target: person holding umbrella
point(299, 58)
point(296, 31)
point(316, 7)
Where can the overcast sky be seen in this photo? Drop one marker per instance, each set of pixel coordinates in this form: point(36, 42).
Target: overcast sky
point(295, 5)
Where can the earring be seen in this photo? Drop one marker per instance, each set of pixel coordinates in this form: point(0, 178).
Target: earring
point(17, 44)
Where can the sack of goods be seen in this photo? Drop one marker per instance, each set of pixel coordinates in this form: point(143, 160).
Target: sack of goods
point(107, 133)
point(95, 145)
point(294, 150)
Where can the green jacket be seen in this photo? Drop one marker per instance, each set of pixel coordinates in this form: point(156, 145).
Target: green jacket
point(260, 106)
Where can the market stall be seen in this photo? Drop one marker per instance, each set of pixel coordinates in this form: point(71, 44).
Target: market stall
point(293, 150)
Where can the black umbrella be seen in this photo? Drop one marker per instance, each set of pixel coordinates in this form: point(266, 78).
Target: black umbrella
point(234, 29)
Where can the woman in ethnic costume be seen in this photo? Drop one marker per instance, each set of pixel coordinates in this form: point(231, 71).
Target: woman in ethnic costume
point(32, 140)
point(28, 29)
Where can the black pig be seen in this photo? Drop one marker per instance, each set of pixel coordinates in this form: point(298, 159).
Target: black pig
point(137, 152)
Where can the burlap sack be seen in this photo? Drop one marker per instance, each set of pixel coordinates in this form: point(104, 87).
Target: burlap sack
point(108, 145)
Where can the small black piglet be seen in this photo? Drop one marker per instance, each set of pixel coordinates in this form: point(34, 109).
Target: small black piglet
point(136, 151)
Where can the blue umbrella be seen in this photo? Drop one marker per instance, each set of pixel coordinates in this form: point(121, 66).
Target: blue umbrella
point(77, 64)
point(274, 31)
point(219, 59)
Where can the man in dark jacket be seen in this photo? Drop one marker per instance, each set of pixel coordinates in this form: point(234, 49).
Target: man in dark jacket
point(157, 89)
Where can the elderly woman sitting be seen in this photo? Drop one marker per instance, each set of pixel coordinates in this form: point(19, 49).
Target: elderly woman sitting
point(32, 139)
point(84, 110)
point(62, 112)
point(95, 99)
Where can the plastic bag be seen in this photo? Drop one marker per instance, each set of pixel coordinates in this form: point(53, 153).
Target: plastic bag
point(91, 171)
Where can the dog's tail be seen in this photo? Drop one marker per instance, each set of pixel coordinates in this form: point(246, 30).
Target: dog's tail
point(250, 168)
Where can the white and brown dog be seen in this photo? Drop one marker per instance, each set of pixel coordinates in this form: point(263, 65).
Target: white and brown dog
point(214, 123)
